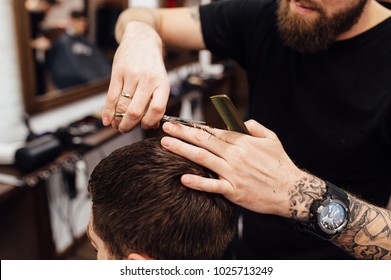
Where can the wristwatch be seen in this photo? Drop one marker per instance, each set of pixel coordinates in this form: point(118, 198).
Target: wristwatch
point(328, 215)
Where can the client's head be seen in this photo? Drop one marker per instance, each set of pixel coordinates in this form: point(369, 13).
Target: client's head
point(140, 209)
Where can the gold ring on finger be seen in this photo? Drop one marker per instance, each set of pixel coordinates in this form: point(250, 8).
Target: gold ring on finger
point(126, 95)
point(119, 115)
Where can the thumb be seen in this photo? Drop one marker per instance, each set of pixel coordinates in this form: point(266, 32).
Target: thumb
point(258, 130)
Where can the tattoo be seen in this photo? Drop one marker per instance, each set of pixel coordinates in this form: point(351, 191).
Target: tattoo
point(306, 190)
point(368, 234)
point(194, 13)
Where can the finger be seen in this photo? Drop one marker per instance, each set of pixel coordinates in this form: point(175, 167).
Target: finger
point(217, 141)
point(121, 108)
point(126, 94)
point(258, 130)
point(156, 107)
point(196, 154)
point(113, 93)
point(211, 185)
point(124, 100)
point(137, 107)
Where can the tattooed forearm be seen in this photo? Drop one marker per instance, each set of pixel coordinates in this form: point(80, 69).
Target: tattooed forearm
point(305, 192)
point(195, 15)
point(368, 234)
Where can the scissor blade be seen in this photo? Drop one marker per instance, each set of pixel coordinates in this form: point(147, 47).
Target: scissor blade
point(181, 120)
point(166, 118)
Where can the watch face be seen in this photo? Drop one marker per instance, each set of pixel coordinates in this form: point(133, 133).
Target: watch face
point(332, 217)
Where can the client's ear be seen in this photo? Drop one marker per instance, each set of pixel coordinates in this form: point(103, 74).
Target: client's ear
point(137, 256)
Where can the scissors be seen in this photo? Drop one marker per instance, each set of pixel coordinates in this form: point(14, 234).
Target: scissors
point(184, 121)
point(224, 107)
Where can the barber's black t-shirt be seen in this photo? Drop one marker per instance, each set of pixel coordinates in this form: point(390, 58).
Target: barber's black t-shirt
point(385, 4)
point(331, 110)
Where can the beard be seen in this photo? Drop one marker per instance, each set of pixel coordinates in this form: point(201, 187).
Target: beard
point(315, 34)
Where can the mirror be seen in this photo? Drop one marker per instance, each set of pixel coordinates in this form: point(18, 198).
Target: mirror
point(66, 49)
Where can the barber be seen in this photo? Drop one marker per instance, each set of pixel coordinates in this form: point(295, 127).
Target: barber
point(318, 74)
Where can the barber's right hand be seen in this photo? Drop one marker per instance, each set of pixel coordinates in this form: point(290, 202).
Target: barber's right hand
point(139, 73)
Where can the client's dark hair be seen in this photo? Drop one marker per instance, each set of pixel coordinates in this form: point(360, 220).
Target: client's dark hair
point(141, 206)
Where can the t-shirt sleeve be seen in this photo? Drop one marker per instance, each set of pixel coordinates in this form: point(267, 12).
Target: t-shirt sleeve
point(230, 28)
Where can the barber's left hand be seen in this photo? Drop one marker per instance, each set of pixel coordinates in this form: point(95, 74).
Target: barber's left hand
point(254, 171)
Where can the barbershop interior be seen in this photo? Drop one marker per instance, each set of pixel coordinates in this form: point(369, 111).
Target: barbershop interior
point(55, 137)
point(57, 58)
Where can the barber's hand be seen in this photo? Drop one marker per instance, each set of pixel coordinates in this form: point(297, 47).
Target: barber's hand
point(139, 73)
point(254, 171)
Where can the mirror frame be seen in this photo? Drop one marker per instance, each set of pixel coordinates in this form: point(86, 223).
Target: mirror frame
point(34, 103)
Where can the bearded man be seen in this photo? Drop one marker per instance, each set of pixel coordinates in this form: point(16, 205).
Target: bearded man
point(319, 76)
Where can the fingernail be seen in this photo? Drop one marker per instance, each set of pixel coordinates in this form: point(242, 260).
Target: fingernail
point(186, 180)
point(106, 121)
point(123, 130)
point(167, 126)
point(166, 142)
